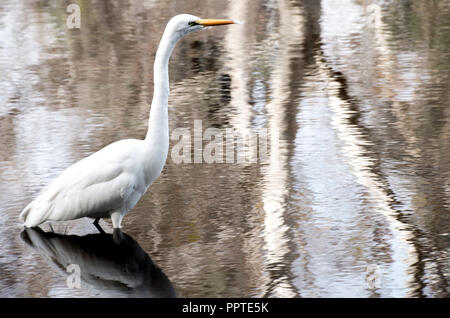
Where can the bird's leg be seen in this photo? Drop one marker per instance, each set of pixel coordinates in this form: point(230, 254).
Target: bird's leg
point(97, 225)
point(116, 218)
point(117, 236)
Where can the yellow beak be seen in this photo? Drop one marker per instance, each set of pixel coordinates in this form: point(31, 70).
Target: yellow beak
point(212, 22)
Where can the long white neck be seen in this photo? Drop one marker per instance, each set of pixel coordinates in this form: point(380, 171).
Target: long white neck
point(158, 123)
point(157, 139)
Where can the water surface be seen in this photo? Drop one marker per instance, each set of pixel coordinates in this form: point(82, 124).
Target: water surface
point(358, 91)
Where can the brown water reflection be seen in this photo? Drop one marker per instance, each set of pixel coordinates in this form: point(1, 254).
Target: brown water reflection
point(358, 91)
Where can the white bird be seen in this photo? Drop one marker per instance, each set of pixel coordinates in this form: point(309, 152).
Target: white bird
point(110, 182)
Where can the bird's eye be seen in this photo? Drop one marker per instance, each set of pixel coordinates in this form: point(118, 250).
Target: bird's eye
point(192, 23)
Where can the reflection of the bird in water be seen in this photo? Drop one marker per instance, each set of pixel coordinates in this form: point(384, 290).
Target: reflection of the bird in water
point(114, 265)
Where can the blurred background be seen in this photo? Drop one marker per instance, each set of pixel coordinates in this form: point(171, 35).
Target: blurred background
point(356, 205)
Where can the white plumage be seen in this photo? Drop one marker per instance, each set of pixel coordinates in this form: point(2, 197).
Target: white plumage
point(111, 181)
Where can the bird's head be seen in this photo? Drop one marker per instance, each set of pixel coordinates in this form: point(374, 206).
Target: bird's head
point(183, 24)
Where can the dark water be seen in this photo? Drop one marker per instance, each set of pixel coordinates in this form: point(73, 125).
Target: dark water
point(359, 91)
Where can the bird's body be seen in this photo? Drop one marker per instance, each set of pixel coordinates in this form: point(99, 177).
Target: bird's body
point(111, 181)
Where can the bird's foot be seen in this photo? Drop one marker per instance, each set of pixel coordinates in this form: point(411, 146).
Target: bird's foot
point(117, 236)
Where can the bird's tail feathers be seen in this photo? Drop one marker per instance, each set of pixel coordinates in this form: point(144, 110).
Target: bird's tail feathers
point(23, 215)
point(32, 216)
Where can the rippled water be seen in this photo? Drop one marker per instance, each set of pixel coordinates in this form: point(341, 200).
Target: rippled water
point(356, 204)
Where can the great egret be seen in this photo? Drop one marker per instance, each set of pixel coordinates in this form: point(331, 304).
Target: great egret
point(110, 182)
